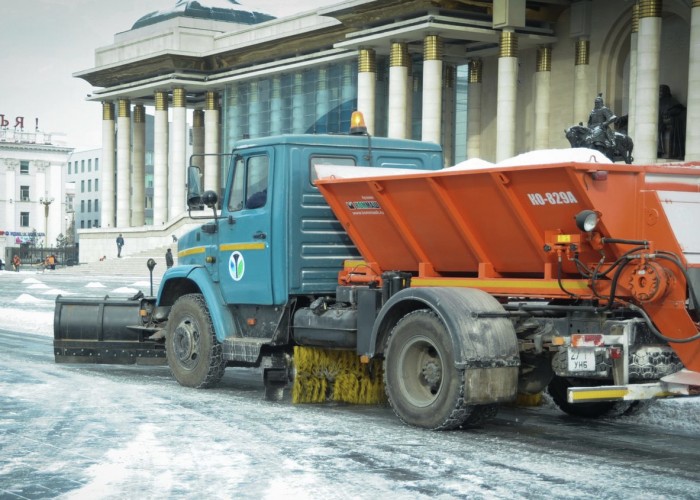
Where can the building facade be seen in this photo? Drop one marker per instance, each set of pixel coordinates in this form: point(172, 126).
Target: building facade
point(487, 79)
point(33, 200)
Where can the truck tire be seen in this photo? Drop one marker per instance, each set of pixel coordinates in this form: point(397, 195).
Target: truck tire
point(422, 384)
point(194, 355)
point(559, 386)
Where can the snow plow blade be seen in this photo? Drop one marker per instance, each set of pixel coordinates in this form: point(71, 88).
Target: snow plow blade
point(105, 331)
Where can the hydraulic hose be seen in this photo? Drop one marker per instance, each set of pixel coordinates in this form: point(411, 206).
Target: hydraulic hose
point(657, 333)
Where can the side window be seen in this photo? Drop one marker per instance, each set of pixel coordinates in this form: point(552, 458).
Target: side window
point(249, 184)
point(346, 161)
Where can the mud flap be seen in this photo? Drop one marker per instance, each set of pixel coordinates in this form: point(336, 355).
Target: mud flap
point(105, 331)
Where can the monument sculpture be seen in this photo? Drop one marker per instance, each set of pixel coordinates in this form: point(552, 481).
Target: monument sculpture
point(672, 115)
point(598, 134)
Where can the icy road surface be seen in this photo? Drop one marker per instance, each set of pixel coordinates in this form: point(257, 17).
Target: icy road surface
point(88, 431)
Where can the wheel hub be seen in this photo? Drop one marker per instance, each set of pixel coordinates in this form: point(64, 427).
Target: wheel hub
point(186, 343)
point(432, 372)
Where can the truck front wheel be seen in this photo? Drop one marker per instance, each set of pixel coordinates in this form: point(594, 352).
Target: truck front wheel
point(422, 384)
point(194, 354)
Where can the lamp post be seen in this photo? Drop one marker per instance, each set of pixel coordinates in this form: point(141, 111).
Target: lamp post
point(46, 202)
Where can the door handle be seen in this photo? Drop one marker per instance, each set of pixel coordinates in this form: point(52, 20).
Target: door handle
point(260, 235)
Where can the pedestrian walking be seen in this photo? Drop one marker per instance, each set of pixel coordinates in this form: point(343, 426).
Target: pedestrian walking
point(16, 262)
point(120, 244)
point(169, 258)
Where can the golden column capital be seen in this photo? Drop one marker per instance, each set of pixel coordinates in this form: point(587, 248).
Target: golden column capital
point(476, 66)
point(696, 3)
point(432, 48)
point(211, 100)
point(198, 118)
point(508, 44)
point(179, 98)
point(139, 113)
point(161, 101)
point(650, 8)
point(367, 61)
point(544, 58)
point(124, 108)
point(582, 52)
point(635, 17)
point(107, 110)
point(399, 54)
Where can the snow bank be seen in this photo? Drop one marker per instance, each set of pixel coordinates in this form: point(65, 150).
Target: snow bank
point(544, 156)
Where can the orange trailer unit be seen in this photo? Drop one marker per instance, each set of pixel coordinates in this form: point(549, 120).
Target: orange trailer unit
point(602, 242)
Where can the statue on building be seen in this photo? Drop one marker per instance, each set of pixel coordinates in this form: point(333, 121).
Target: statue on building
point(672, 116)
point(598, 134)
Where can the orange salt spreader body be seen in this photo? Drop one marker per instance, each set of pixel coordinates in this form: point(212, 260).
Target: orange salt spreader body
point(512, 232)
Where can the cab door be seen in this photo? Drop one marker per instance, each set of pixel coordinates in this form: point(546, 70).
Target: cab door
point(245, 263)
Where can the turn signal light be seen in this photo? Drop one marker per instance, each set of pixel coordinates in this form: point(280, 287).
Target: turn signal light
point(587, 340)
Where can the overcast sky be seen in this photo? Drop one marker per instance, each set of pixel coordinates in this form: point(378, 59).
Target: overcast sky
point(45, 41)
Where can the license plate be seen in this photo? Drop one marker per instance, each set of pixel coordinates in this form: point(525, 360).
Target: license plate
point(581, 360)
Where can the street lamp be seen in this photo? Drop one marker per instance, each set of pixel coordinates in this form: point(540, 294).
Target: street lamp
point(46, 202)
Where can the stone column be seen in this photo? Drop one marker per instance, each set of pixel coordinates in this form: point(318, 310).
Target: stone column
point(367, 86)
point(507, 95)
point(123, 160)
point(692, 135)
point(432, 89)
point(632, 101)
point(178, 161)
point(448, 114)
point(160, 159)
point(474, 109)
point(198, 139)
point(138, 177)
point(212, 133)
point(107, 211)
point(398, 90)
point(543, 73)
point(582, 101)
point(647, 95)
point(411, 84)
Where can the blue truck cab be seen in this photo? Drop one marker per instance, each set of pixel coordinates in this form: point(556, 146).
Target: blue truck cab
point(274, 245)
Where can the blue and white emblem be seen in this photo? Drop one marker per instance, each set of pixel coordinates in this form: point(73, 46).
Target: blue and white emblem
point(236, 266)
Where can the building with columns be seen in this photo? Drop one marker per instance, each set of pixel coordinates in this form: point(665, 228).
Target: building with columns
point(33, 194)
point(487, 79)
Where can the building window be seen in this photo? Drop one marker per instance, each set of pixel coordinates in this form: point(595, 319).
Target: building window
point(89, 205)
point(24, 167)
point(24, 193)
point(95, 224)
point(82, 206)
point(97, 185)
point(82, 186)
point(90, 165)
point(68, 168)
point(82, 165)
point(24, 219)
point(97, 164)
point(97, 209)
point(82, 224)
point(89, 224)
point(89, 185)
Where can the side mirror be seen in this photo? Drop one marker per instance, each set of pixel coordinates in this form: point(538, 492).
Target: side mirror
point(194, 189)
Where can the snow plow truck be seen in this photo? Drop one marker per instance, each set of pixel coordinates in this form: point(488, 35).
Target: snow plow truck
point(356, 268)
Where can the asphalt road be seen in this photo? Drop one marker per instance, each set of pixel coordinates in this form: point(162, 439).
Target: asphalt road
point(87, 431)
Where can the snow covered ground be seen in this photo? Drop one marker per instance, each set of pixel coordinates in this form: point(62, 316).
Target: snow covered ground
point(88, 431)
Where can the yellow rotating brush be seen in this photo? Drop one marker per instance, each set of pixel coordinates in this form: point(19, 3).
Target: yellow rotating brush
point(336, 375)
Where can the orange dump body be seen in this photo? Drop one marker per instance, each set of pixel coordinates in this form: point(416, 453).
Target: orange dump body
point(505, 229)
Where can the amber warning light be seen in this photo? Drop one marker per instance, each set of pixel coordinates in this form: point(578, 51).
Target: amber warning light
point(357, 123)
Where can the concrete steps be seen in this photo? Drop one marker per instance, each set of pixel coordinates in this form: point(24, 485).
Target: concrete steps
point(128, 265)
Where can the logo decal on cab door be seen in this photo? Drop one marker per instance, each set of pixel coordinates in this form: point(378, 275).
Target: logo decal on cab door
point(236, 266)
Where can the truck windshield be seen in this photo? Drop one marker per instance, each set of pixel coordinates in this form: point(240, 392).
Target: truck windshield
point(249, 183)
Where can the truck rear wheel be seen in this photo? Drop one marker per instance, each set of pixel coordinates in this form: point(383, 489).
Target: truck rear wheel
point(558, 389)
point(422, 384)
point(194, 355)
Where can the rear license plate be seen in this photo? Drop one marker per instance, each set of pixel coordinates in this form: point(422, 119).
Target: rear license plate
point(581, 360)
